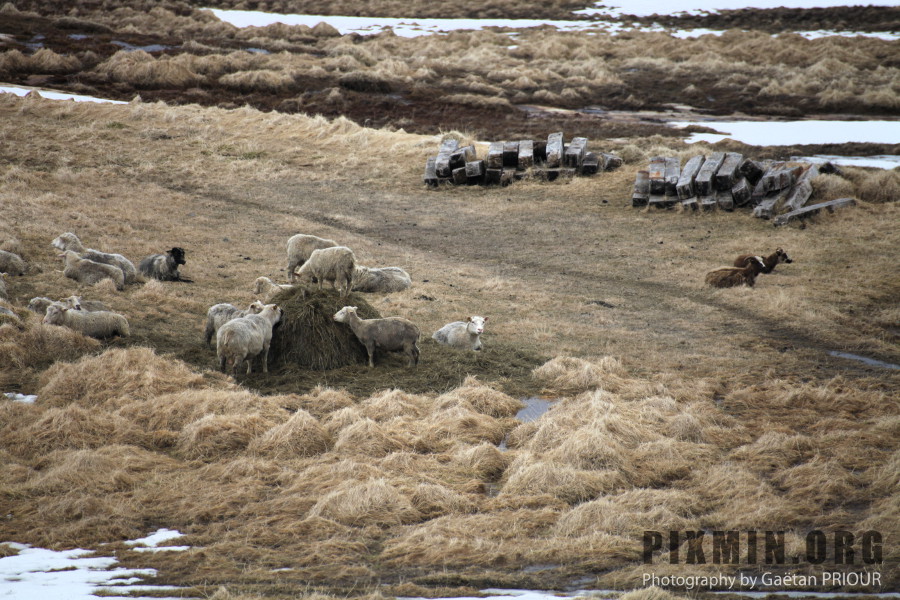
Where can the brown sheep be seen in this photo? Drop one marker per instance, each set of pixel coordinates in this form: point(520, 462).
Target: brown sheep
point(771, 261)
point(734, 276)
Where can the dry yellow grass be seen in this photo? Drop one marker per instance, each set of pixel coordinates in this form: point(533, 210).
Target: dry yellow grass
point(674, 408)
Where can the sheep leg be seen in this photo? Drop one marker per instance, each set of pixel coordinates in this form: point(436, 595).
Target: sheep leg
point(265, 358)
point(222, 361)
point(370, 348)
point(292, 266)
point(249, 360)
point(413, 353)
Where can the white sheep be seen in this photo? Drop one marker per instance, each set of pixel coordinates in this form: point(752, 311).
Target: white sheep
point(220, 314)
point(96, 324)
point(86, 271)
point(11, 264)
point(300, 246)
point(70, 241)
point(39, 304)
point(465, 335)
point(392, 334)
point(336, 265)
point(245, 337)
point(382, 280)
point(265, 287)
point(79, 303)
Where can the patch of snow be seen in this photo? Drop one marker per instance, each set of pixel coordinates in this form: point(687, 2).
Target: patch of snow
point(23, 398)
point(646, 8)
point(155, 539)
point(887, 161)
point(69, 574)
point(19, 90)
point(791, 133)
point(412, 27)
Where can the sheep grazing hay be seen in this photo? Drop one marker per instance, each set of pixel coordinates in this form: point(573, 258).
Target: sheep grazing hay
point(309, 338)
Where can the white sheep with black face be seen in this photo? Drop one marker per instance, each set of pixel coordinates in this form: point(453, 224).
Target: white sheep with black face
point(465, 335)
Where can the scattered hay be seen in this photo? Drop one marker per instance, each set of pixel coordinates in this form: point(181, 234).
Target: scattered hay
point(75, 427)
point(135, 372)
point(368, 438)
point(570, 375)
point(433, 500)
point(531, 476)
point(36, 346)
point(301, 435)
point(373, 502)
point(390, 404)
point(217, 436)
point(485, 460)
point(96, 471)
point(446, 428)
point(322, 402)
point(481, 398)
point(309, 338)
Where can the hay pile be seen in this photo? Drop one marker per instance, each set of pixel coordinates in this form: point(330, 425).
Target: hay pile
point(309, 338)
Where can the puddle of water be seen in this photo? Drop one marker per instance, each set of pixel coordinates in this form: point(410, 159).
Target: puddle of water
point(869, 361)
point(506, 594)
point(534, 409)
point(886, 161)
point(150, 48)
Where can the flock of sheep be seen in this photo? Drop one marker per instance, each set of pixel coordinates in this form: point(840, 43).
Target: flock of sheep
point(242, 334)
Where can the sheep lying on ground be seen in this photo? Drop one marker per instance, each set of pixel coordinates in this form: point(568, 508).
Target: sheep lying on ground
point(265, 287)
point(335, 265)
point(245, 337)
point(96, 324)
point(465, 335)
point(11, 264)
point(89, 272)
point(734, 276)
point(79, 303)
point(164, 267)
point(392, 334)
point(70, 241)
point(220, 314)
point(39, 304)
point(300, 247)
point(771, 261)
point(383, 280)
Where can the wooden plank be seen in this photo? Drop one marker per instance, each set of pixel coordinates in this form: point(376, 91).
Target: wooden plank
point(812, 209)
point(459, 176)
point(495, 156)
point(802, 192)
point(673, 168)
point(610, 161)
point(460, 156)
point(685, 186)
point(708, 202)
point(492, 176)
point(526, 154)
point(574, 154)
point(657, 172)
point(555, 150)
point(767, 208)
point(591, 164)
point(703, 183)
point(431, 178)
point(442, 162)
point(510, 154)
point(690, 203)
point(752, 170)
point(725, 200)
point(559, 173)
point(475, 171)
point(741, 191)
point(641, 194)
point(761, 188)
point(727, 174)
point(507, 176)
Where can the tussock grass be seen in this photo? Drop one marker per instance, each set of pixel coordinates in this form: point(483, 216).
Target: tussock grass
point(142, 70)
point(481, 398)
point(573, 375)
point(300, 436)
point(217, 436)
point(373, 502)
point(134, 372)
point(367, 438)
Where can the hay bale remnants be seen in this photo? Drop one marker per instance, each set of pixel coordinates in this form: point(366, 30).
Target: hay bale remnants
point(508, 161)
point(309, 338)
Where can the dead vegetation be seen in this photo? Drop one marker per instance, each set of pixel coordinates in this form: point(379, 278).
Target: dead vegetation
point(676, 407)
